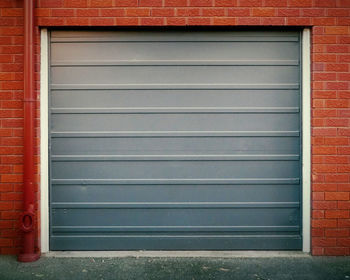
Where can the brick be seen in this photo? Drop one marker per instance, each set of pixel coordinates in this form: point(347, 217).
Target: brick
point(344, 150)
point(343, 112)
point(324, 242)
point(324, 150)
point(6, 205)
point(199, 21)
point(6, 224)
point(325, 3)
point(324, 131)
point(317, 232)
point(77, 21)
point(337, 48)
point(344, 94)
point(63, 12)
point(344, 223)
point(338, 12)
point(324, 187)
point(344, 58)
point(337, 140)
point(288, 12)
point(75, 3)
point(10, 215)
point(150, 3)
point(324, 168)
point(175, 3)
point(17, 196)
point(95, 12)
point(250, 3)
point(343, 76)
point(248, 21)
point(300, 3)
point(224, 21)
point(317, 141)
point(239, 12)
point(324, 113)
point(324, 94)
point(100, 21)
point(323, 21)
point(336, 122)
point(188, 12)
point(337, 232)
point(344, 39)
point(317, 214)
point(101, 3)
point(50, 21)
point(337, 30)
point(343, 20)
point(337, 67)
point(332, 214)
point(299, 21)
point(337, 178)
point(51, 4)
point(161, 12)
point(313, 12)
point(344, 131)
point(12, 178)
point(324, 76)
point(137, 12)
point(337, 85)
point(324, 223)
point(213, 12)
point(317, 196)
point(324, 58)
point(343, 3)
point(263, 12)
point(6, 242)
point(336, 159)
point(343, 242)
point(126, 3)
point(336, 196)
point(344, 204)
point(201, 3)
point(336, 251)
point(225, 3)
point(12, 12)
point(175, 21)
point(152, 21)
point(324, 205)
point(42, 12)
point(275, 3)
point(343, 187)
point(273, 21)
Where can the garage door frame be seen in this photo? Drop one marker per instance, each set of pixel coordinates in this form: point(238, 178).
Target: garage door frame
point(44, 148)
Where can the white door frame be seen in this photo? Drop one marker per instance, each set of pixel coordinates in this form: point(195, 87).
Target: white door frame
point(44, 143)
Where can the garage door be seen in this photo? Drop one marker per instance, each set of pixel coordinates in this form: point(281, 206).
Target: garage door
point(175, 140)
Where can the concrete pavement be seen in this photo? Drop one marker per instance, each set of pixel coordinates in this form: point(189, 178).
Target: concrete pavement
point(178, 268)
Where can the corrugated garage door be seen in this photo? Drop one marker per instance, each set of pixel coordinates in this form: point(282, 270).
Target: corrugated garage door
point(175, 140)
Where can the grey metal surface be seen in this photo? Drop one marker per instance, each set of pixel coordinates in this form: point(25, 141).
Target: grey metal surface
point(175, 140)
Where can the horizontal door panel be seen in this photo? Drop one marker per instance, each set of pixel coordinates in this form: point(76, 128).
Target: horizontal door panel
point(175, 122)
point(176, 146)
point(174, 169)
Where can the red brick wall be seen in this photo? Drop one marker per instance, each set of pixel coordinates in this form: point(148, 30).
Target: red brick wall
point(330, 21)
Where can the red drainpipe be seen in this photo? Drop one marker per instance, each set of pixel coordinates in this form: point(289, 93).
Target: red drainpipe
point(27, 219)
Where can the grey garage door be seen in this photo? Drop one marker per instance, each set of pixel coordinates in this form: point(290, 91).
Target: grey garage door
point(175, 140)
